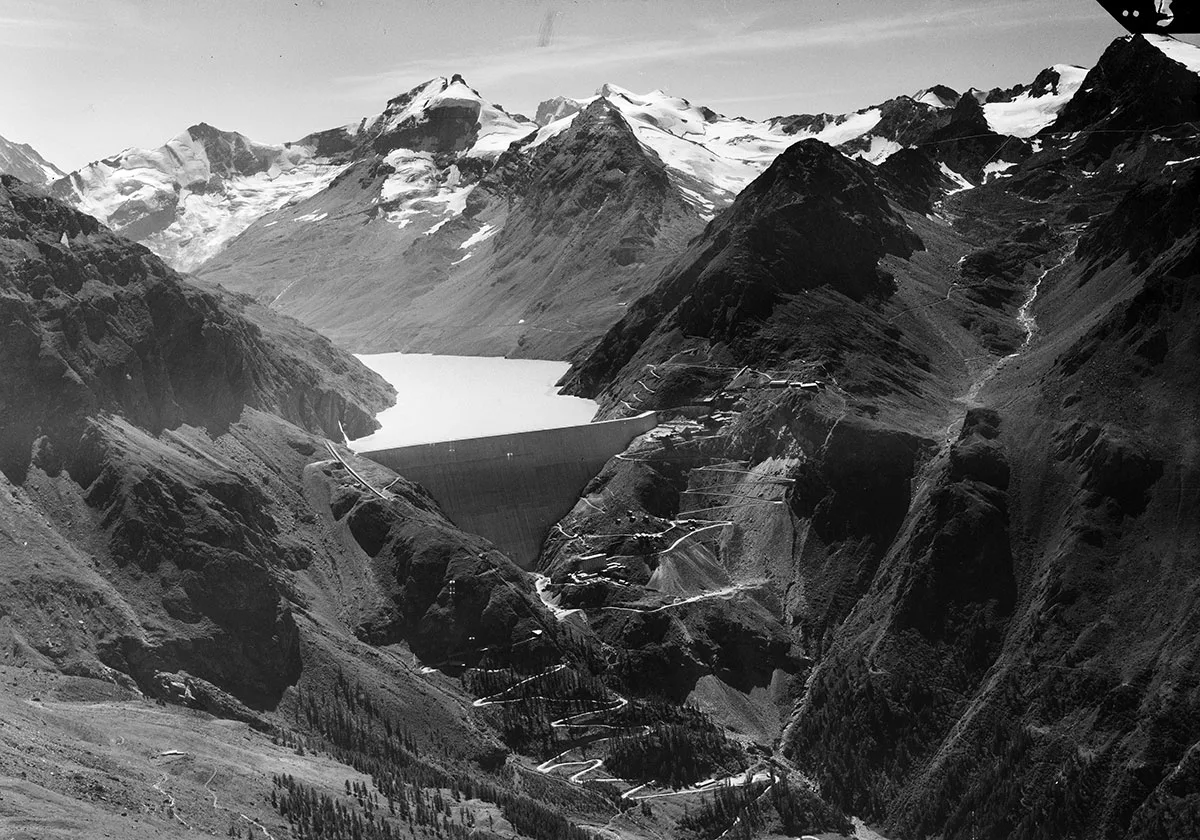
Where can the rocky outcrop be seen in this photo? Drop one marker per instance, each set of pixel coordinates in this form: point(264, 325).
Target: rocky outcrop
point(815, 222)
point(1115, 103)
point(23, 161)
point(96, 324)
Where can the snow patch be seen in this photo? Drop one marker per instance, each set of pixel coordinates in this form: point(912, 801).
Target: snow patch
point(963, 183)
point(851, 128)
point(552, 130)
point(418, 189)
point(484, 233)
point(998, 168)
point(415, 174)
point(928, 97)
point(881, 149)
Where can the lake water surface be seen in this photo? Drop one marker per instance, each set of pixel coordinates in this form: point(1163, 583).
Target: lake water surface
point(453, 397)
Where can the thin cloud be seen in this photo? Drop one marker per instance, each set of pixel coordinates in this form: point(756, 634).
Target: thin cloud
point(52, 27)
point(485, 70)
point(37, 33)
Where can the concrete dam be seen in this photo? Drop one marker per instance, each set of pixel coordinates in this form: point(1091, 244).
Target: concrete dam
point(512, 488)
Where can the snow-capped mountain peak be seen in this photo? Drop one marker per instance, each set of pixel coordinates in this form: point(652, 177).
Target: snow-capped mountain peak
point(710, 157)
point(194, 193)
point(940, 97)
point(446, 115)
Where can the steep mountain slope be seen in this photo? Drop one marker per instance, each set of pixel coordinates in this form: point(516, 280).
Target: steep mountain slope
point(97, 324)
point(951, 507)
point(710, 157)
point(23, 161)
point(398, 253)
point(765, 523)
point(539, 252)
point(533, 256)
point(176, 528)
point(814, 224)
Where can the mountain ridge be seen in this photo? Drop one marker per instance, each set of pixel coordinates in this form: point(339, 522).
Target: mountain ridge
point(23, 161)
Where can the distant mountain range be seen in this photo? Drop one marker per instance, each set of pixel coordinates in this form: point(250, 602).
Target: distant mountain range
point(441, 201)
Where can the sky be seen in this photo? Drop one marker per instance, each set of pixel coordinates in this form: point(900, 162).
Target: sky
point(84, 79)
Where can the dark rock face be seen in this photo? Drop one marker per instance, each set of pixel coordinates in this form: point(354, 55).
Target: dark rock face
point(948, 611)
point(101, 325)
point(440, 590)
point(813, 221)
point(967, 143)
point(1133, 88)
point(905, 121)
point(914, 180)
point(230, 153)
point(445, 130)
point(1024, 615)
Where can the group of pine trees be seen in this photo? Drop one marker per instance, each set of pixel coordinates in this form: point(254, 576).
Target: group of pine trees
point(740, 813)
point(674, 755)
point(431, 788)
point(410, 786)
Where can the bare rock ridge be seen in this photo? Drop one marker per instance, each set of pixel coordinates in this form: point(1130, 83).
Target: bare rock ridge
point(23, 161)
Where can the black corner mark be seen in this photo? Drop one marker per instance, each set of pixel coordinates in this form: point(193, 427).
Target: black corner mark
point(1166, 17)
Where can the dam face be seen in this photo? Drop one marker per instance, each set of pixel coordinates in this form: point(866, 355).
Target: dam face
point(513, 488)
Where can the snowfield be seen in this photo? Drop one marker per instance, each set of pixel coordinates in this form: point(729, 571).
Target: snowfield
point(138, 188)
point(1026, 115)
